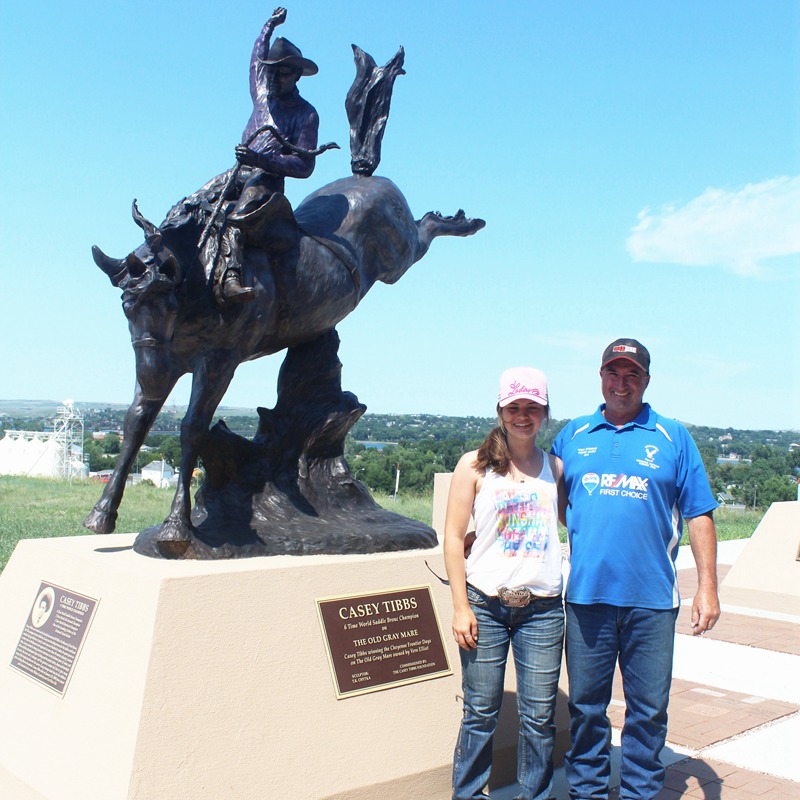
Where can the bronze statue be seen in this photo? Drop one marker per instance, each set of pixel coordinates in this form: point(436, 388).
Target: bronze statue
point(279, 141)
point(288, 490)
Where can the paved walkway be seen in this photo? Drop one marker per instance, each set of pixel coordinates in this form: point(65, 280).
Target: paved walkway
point(734, 719)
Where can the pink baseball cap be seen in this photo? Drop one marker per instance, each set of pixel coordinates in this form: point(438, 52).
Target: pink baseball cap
point(522, 383)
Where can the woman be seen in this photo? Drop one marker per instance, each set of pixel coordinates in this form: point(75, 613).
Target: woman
point(508, 591)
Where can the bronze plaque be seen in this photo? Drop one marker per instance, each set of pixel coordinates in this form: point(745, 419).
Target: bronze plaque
point(53, 636)
point(378, 641)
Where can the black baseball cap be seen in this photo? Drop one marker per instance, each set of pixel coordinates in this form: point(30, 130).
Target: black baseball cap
point(630, 349)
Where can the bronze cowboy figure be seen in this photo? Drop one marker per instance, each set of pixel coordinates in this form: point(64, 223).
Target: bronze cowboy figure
point(279, 141)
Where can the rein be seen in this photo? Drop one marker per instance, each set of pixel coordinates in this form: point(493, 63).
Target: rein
point(281, 139)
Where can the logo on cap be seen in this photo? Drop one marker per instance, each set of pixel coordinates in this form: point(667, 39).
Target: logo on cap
point(624, 348)
point(520, 388)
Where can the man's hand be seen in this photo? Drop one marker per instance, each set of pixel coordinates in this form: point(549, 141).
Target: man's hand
point(469, 540)
point(278, 17)
point(705, 611)
point(703, 539)
point(246, 157)
point(465, 629)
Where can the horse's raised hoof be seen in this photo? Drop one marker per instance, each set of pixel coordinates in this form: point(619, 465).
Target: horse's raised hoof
point(457, 225)
point(101, 521)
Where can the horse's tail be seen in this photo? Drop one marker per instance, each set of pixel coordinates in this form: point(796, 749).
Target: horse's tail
point(367, 106)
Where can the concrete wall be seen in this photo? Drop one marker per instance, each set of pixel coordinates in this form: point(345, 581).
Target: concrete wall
point(767, 573)
point(210, 680)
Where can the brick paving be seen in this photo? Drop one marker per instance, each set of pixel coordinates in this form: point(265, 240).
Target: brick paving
point(687, 579)
point(767, 634)
point(706, 779)
point(700, 716)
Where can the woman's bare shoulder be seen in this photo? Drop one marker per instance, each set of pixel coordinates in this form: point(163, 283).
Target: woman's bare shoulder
point(467, 464)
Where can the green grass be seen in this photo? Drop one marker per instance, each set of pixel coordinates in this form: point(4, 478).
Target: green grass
point(415, 506)
point(733, 524)
point(35, 508)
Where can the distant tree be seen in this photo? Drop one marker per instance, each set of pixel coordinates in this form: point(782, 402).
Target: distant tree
point(352, 448)
point(110, 443)
point(709, 455)
point(425, 443)
point(33, 424)
point(777, 489)
point(171, 450)
point(374, 468)
point(155, 440)
point(93, 452)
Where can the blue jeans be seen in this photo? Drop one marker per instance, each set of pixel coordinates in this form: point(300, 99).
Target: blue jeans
point(643, 639)
point(536, 635)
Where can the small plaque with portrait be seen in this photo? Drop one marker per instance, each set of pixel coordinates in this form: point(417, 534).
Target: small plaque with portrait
point(53, 636)
point(382, 640)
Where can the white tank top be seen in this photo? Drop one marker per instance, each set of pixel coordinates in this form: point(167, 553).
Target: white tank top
point(516, 527)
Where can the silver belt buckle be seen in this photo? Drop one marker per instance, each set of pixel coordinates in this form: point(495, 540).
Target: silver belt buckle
point(514, 598)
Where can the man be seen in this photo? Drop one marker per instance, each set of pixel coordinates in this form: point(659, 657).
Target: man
point(266, 162)
point(42, 611)
point(631, 477)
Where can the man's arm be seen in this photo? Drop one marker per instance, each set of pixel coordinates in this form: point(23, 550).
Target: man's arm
point(260, 51)
point(561, 485)
point(290, 165)
point(703, 540)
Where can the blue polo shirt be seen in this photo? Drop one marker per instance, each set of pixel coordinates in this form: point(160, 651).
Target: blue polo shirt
point(629, 489)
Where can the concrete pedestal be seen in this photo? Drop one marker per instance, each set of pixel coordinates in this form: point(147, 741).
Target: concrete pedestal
point(767, 573)
point(210, 680)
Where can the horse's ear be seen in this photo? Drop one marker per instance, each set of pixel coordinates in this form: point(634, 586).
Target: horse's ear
point(151, 232)
point(113, 267)
point(135, 266)
point(170, 269)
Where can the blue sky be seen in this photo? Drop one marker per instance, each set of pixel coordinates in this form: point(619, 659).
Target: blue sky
point(637, 164)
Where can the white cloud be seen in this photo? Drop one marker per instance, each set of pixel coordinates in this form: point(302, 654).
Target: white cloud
point(737, 230)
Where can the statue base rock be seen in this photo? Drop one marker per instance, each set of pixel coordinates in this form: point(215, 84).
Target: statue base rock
point(289, 490)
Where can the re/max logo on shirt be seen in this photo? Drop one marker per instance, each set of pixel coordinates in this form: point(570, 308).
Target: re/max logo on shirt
point(612, 481)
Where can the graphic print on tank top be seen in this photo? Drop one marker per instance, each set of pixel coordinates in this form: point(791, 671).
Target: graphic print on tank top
point(524, 517)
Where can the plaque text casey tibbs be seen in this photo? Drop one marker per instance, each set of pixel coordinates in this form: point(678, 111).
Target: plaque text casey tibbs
point(376, 641)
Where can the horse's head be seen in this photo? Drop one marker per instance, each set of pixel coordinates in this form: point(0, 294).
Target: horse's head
point(148, 278)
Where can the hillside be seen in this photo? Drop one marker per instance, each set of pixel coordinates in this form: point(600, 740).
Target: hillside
point(37, 415)
point(745, 467)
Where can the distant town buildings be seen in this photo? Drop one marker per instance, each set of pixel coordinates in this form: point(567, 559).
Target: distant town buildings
point(159, 473)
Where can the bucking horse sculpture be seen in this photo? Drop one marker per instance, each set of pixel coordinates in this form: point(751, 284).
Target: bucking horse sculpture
point(352, 233)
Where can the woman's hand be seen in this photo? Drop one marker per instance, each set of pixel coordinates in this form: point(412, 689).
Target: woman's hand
point(465, 628)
